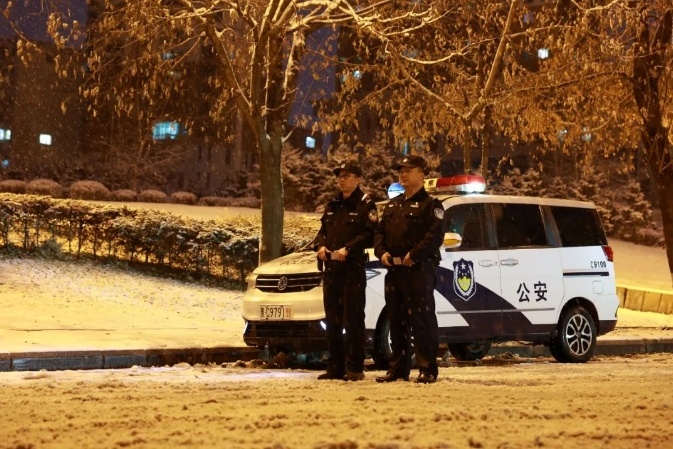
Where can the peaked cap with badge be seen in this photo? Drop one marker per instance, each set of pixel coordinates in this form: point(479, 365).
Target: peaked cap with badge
point(411, 161)
point(350, 167)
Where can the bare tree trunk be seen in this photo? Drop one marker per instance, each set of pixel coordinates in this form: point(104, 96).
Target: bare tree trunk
point(237, 150)
point(467, 146)
point(664, 186)
point(270, 244)
point(486, 130)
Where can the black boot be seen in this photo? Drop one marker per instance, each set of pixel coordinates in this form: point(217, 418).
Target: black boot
point(392, 376)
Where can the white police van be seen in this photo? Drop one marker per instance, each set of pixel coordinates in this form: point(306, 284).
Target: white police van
point(513, 269)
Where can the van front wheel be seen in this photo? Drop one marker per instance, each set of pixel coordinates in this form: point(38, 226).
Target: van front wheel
point(575, 339)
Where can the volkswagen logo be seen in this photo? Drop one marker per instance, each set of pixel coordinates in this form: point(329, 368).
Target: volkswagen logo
point(282, 283)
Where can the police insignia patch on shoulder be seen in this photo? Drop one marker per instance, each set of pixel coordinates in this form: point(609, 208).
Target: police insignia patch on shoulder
point(439, 213)
point(373, 215)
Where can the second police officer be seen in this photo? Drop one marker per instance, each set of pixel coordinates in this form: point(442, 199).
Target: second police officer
point(347, 228)
point(407, 243)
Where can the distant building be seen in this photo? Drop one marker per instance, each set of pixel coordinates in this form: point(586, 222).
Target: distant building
point(46, 130)
point(40, 114)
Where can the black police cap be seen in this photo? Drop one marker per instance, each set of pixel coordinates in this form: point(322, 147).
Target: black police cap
point(350, 167)
point(411, 161)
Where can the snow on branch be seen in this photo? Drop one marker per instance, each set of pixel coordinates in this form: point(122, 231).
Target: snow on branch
point(598, 8)
point(325, 12)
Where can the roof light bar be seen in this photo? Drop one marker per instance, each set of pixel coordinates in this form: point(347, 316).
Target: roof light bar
point(456, 184)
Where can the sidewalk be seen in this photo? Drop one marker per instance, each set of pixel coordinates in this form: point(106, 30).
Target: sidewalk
point(58, 315)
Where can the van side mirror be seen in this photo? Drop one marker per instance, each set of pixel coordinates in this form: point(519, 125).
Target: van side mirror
point(452, 240)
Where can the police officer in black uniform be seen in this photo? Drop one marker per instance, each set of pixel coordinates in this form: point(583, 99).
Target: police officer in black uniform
point(407, 242)
point(348, 227)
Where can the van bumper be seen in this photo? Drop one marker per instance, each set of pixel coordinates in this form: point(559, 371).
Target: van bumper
point(301, 336)
point(605, 326)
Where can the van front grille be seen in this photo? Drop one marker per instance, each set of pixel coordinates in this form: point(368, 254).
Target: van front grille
point(289, 283)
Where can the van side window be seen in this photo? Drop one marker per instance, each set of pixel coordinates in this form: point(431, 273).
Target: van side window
point(579, 226)
point(519, 225)
point(468, 220)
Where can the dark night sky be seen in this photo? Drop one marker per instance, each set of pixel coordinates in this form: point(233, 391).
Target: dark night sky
point(29, 17)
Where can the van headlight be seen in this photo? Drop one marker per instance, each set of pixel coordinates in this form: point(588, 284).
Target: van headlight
point(252, 281)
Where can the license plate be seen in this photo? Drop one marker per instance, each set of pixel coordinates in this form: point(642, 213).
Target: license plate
point(274, 312)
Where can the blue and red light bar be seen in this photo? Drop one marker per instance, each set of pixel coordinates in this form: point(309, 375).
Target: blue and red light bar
point(456, 184)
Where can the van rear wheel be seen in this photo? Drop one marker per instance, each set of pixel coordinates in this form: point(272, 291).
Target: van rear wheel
point(467, 352)
point(575, 339)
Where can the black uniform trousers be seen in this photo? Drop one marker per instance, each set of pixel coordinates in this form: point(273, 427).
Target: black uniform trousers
point(411, 310)
point(344, 300)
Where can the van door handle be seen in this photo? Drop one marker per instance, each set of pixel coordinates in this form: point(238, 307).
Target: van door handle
point(488, 263)
point(509, 262)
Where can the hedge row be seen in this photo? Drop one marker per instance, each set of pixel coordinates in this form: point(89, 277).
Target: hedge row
point(226, 249)
point(94, 190)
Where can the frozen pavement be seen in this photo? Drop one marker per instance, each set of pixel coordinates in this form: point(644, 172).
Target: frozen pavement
point(61, 315)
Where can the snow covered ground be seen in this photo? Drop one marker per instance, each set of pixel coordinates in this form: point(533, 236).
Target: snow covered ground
point(505, 402)
point(613, 402)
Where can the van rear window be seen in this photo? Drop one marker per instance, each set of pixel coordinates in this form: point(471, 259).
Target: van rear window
point(578, 226)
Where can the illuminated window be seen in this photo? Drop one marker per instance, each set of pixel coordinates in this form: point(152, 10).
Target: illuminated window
point(356, 75)
point(166, 130)
point(586, 135)
point(5, 134)
point(310, 142)
point(543, 53)
point(45, 139)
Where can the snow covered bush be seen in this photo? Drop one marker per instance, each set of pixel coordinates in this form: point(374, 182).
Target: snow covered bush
point(377, 167)
point(633, 214)
point(89, 190)
point(13, 186)
point(224, 249)
point(123, 195)
point(650, 237)
point(247, 201)
point(528, 183)
point(305, 177)
point(309, 183)
point(625, 212)
point(183, 198)
point(244, 184)
point(557, 187)
point(44, 187)
point(217, 201)
point(152, 196)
